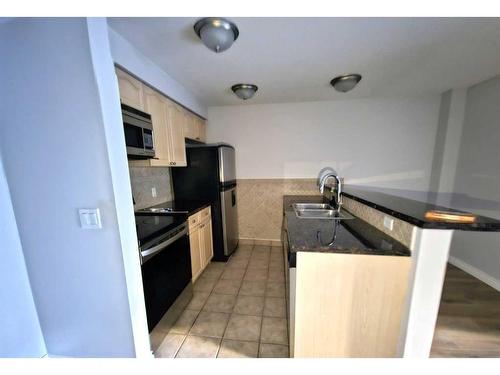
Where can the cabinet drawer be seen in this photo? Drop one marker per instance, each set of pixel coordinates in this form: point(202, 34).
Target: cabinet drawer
point(194, 220)
point(198, 218)
point(205, 213)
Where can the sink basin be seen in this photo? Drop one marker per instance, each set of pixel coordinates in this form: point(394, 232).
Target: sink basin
point(312, 206)
point(319, 211)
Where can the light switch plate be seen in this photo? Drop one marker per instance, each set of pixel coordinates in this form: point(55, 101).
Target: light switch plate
point(153, 192)
point(388, 222)
point(90, 218)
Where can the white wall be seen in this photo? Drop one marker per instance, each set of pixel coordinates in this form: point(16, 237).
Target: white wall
point(56, 160)
point(20, 332)
point(477, 182)
point(107, 86)
point(446, 150)
point(126, 55)
point(386, 142)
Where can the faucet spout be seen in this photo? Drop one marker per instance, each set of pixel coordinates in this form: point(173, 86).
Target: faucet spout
point(338, 184)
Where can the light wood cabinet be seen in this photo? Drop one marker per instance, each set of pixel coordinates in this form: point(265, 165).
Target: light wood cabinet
point(194, 127)
point(208, 247)
point(156, 107)
point(190, 130)
point(202, 126)
point(167, 117)
point(131, 90)
point(176, 120)
point(346, 305)
point(200, 240)
point(195, 245)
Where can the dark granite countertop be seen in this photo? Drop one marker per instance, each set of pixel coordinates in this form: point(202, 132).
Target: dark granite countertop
point(414, 212)
point(352, 236)
point(189, 206)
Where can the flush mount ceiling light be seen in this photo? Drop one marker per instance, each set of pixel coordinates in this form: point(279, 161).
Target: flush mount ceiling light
point(345, 82)
point(218, 34)
point(244, 90)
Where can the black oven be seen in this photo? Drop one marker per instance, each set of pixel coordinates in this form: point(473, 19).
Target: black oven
point(138, 129)
point(165, 262)
point(166, 271)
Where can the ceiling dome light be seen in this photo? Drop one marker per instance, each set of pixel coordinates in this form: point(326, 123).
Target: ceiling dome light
point(345, 82)
point(244, 90)
point(218, 34)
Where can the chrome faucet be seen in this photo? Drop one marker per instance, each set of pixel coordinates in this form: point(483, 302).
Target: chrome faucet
point(322, 183)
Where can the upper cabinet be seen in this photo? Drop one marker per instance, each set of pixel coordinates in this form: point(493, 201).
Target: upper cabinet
point(169, 121)
point(202, 129)
point(155, 105)
point(176, 135)
point(194, 127)
point(131, 90)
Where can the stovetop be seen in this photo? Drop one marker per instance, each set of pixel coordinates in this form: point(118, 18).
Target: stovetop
point(151, 226)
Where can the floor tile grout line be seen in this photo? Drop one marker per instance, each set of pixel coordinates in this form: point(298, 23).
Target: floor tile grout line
point(180, 346)
point(262, 320)
point(199, 312)
point(212, 292)
point(227, 325)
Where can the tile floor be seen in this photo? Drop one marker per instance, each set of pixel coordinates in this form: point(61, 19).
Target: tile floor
point(238, 310)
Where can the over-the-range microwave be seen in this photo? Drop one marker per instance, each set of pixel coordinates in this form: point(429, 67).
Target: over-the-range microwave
point(138, 129)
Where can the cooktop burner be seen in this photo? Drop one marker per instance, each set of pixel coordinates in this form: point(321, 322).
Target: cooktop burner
point(151, 226)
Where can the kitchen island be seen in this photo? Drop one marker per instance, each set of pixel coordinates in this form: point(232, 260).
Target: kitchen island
point(346, 286)
point(368, 286)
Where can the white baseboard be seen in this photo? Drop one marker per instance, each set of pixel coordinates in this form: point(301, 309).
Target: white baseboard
point(476, 272)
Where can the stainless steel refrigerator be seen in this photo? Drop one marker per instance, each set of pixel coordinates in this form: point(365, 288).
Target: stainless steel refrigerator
point(210, 175)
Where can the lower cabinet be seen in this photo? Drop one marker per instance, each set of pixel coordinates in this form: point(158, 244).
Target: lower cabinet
point(195, 245)
point(200, 239)
point(346, 305)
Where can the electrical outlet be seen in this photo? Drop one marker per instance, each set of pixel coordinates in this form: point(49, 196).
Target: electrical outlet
point(153, 192)
point(388, 222)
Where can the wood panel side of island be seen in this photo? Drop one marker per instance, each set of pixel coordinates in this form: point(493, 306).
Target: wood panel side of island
point(348, 305)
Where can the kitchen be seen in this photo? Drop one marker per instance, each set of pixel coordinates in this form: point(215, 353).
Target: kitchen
point(235, 222)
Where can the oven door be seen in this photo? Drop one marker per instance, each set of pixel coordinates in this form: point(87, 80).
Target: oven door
point(166, 271)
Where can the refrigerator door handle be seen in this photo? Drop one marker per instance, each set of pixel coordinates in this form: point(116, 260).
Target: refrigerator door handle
point(229, 220)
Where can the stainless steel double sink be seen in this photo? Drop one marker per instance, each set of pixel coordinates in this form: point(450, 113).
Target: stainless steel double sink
point(319, 211)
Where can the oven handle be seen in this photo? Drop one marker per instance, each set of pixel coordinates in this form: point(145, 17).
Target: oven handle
point(161, 246)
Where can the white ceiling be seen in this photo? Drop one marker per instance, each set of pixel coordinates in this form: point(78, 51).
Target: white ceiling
point(293, 59)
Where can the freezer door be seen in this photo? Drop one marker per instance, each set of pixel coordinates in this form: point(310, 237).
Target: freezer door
point(229, 220)
point(227, 170)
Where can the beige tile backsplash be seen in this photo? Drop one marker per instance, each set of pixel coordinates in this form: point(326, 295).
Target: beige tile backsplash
point(260, 206)
point(401, 231)
point(260, 210)
point(143, 179)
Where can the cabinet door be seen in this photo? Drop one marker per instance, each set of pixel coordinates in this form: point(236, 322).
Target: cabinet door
point(155, 105)
point(195, 247)
point(202, 131)
point(207, 250)
point(189, 125)
point(207, 237)
point(131, 90)
point(176, 135)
